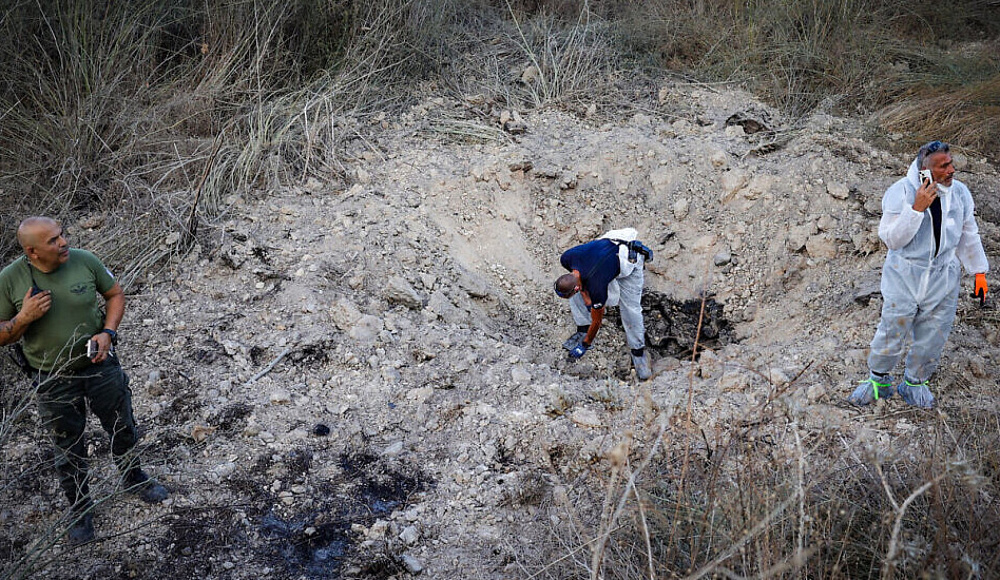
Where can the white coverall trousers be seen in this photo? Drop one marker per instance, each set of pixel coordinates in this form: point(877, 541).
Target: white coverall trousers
point(626, 293)
point(917, 301)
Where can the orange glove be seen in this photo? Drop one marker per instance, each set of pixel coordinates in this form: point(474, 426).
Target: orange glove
point(981, 289)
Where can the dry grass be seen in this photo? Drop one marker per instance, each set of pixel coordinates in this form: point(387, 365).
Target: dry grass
point(969, 115)
point(770, 498)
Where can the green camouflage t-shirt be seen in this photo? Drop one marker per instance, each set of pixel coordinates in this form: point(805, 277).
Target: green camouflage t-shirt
point(60, 336)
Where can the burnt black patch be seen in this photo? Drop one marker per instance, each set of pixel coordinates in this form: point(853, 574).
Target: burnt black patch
point(315, 551)
point(673, 327)
point(316, 544)
point(312, 355)
point(257, 355)
point(298, 462)
point(197, 532)
point(231, 418)
point(183, 407)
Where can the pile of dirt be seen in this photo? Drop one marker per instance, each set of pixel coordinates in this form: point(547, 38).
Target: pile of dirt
point(411, 313)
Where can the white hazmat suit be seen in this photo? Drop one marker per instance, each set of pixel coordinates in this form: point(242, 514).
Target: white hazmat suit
point(920, 279)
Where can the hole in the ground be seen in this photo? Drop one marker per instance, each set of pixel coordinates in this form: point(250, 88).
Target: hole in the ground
point(672, 325)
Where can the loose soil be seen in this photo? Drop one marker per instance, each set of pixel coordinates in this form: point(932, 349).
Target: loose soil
point(406, 306)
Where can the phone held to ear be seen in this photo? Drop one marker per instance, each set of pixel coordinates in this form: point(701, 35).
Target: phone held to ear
point(925, 175)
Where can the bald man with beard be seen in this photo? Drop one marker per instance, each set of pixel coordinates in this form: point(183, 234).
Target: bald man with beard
point(49, 302)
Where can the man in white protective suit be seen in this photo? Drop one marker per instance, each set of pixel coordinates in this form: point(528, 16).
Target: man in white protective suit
point(606, 272)
point(931, 232)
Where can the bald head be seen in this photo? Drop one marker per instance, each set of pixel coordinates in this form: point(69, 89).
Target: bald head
point(32, 231)
point(43, 243)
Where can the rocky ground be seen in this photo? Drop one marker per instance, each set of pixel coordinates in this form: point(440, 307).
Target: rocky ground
point(362, 377)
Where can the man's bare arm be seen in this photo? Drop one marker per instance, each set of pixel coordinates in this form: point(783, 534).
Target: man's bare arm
point(596, 316)
point(32, 308)
point(10, 331)
point(114, 306)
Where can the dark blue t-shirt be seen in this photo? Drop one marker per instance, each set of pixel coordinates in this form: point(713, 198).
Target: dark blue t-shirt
point(598, 265)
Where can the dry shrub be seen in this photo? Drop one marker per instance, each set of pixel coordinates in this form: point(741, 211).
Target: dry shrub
point(854, 55)
point(766, 497)
point(968, 116)
point(156, 114)
point(564, 63)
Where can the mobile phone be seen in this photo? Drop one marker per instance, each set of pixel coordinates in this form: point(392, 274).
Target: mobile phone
point(925, 175)
point(35, 289)
point(92, 349)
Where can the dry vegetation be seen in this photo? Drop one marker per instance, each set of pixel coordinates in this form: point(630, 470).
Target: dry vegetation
point(158, 113)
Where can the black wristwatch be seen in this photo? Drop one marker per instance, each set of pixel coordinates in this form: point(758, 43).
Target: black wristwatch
point(113, 334)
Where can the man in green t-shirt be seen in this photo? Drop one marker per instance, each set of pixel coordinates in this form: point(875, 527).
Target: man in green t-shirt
point(48, 301)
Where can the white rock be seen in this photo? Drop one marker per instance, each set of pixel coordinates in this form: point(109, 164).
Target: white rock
point(413, 566)
point(399, 291)
point(665, 180)
point(344, 314)
point(568, 180)
point(366, 329)
point(379, 530)
point(798, 236)
point(838, 190)
point(826, 223)
point(222, 471)
point(733, 380)
point(393, 449)
point(441, 305)
point(681, 208)
point(558, 399)
point(732, 182)
point(520, 376)
point(409, 535)
point(420, 394)
point(474, 285)
point(778, 376)
point(586, 418)
point(709, 364)
point(280, 396)
point(815, 392)
point(821, 246)
point(702, 243)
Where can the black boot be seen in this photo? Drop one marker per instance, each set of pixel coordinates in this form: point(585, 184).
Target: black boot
point(81, 529)
point(148, 489)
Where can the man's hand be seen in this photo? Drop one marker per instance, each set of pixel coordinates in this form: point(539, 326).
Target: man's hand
point(925, 196)
point(579, 350)
point(34, 307)
point(981, 289)
point(103, 341)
